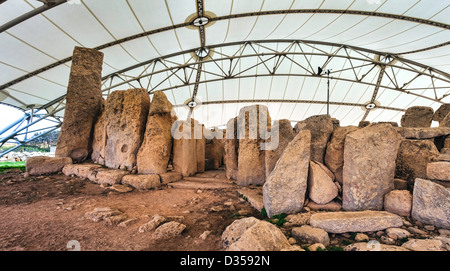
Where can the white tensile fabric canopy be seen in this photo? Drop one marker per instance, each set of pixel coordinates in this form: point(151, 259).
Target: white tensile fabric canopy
point(380, 56)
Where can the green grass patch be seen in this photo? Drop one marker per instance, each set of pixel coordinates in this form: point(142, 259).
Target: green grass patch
point(10, 165)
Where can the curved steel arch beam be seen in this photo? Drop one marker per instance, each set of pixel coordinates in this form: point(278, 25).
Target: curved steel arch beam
point(227, 17)
point(31, 14)
point(291, 101)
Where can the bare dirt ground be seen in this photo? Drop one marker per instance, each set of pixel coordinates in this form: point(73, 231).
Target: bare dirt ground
point(46, 212)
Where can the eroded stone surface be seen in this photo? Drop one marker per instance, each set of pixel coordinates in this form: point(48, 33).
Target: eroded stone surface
point(431, 203)
point(369, 166)
point(126, 114)
point(254, 235)
point(438, 171)
point(284, 191)
point(417, 116)
point(251, 161)
point(321, 187)
point(413, 157)
point(285, 133)
point(83, 104)
point(39, 165)
point(361, 221)
point(334, 155)
point(79, 170)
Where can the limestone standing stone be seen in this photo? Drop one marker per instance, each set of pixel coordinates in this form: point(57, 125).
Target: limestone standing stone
point(250, 157)
point(231, 148)
point(201, 150)
point(321, 127)
point(417, 116)
point(184, 147)
point(321, 187)
point(431, 203)
point(413, 157)
point(99, 138)
point(154, 153)
point(284, 191)
point(369, 166)
point(83, 104)
point(285, 135)
point(334, 155)
point(126, 114)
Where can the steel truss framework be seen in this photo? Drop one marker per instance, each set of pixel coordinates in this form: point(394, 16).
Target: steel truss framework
point(377, 71)
point(289, 58)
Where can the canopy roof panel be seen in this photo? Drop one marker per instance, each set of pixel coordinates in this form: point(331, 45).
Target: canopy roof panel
point(231, 53)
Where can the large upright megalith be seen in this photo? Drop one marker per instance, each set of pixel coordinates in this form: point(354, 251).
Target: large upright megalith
point(369, 166)
point(154, 153)
point(83, 104)
point(126, 116)
point(252, 124)
point(285, 190)
point(184, 146)
point(231, 148)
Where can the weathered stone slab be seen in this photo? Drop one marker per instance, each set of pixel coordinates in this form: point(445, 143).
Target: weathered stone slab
point(285, 133)
point(363, 246)
point(362, 221)
point(142, 181)
point(106, 175)
point(251, 162)
point(126, 114)
point(83, 104)
point(310, 235)
point(231, 149)
point(413, 157)
point(423, 133)
point(417, 116)
point(334, 155)
point(213, 153)
point(284, 191)
point(79, 170)
point(154, 153)
point(321, 185)
point(369, 166)
point(251, 234)
point(424, 245)
point(99, 137)
point(431, 203)
point(439, 171)
point(321, 127)
point(184, 147)
point(170, 177)
point(39, 165)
